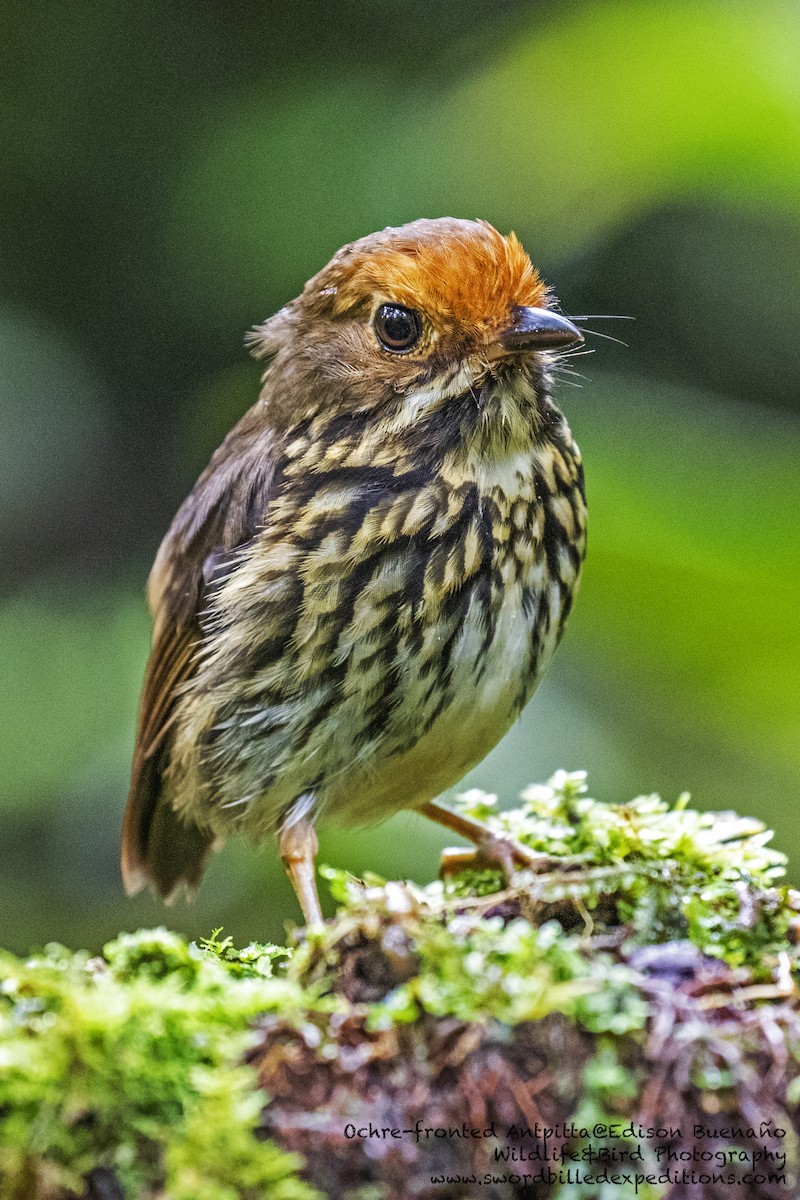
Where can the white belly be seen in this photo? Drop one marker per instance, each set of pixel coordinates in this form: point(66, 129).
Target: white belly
point(488, 687)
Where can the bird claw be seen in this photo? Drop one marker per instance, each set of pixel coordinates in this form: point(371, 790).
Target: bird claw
point(493, 850)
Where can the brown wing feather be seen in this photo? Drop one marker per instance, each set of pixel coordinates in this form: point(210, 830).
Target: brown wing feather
point(170, 666)
point(224, 511)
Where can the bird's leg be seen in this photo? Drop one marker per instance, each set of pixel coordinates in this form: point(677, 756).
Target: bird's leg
point(298, 850)
point(489, 846)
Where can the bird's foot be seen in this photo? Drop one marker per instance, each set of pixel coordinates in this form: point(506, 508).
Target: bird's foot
point(298, 851)
point(491, 849)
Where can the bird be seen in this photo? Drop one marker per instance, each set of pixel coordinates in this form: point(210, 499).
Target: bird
point(361, 592)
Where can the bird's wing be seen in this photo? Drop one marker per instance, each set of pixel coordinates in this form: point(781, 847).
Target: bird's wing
point(223, 512)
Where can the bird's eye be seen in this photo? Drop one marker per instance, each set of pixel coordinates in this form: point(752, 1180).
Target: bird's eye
point(398, 328)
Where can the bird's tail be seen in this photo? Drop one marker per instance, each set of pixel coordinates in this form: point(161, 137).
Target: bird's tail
point(159, 847)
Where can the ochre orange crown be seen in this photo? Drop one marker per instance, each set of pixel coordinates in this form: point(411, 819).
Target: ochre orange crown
point(462, 271)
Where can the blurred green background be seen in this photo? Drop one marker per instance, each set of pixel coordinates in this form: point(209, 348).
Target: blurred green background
point(174, 171)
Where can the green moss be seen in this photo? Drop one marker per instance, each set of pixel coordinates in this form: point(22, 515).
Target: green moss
point(666, 872)
point(259, 960)
point(474, 968)
point(131, 1062)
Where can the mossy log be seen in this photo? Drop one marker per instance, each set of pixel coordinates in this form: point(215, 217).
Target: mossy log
point(621, 1023)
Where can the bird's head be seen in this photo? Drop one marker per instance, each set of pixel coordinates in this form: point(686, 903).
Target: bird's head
point(404, 320)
